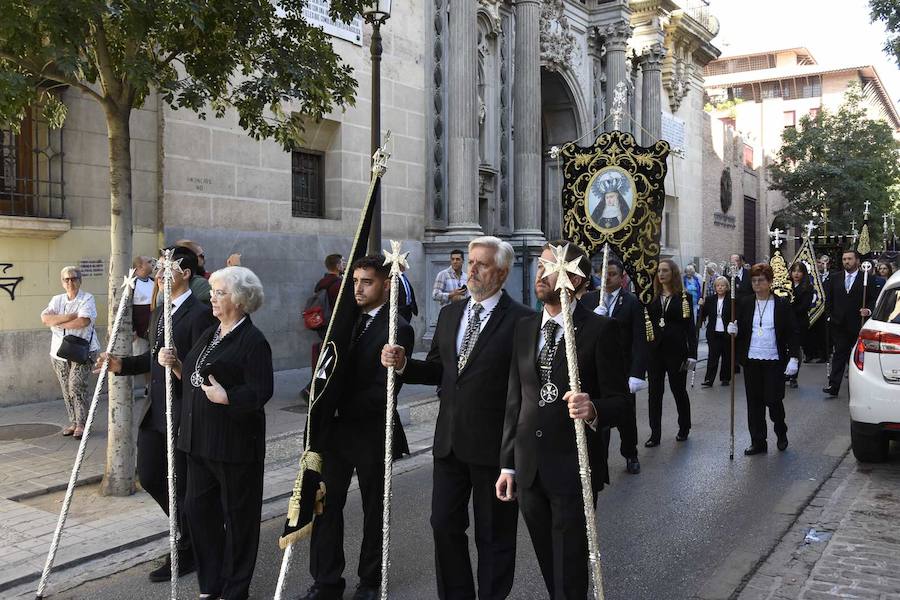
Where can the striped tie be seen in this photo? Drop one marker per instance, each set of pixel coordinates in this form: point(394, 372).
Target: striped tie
point(473, 328)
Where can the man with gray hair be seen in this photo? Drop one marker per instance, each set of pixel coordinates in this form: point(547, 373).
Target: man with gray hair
point(469, 358)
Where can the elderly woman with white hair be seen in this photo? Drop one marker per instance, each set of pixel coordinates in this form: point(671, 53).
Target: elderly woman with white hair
point(73, 345)
point(227, 379)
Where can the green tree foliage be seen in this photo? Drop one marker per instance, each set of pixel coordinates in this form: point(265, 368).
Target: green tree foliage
point(259, 58)
point(888, 12)
point(840, 160)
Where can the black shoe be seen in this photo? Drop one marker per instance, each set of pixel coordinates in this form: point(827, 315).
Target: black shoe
point(792, 383)
point(682, 435)
point(756, 449)
point(821, 361)
point(706, 384)
point(651, 443)
point(185, 567)
point(364, 592)
point(163, 572)
point(782, 443)
point(808, 359)
point(318, 592)
point(830, 391)
point(633, 465)
point(726, 383)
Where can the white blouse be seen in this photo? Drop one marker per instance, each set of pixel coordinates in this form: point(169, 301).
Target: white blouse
point(85, 306)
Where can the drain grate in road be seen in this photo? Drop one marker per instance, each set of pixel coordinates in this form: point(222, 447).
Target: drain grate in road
point(27, 431)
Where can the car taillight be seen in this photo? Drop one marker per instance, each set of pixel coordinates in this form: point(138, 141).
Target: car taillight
point(876, 342)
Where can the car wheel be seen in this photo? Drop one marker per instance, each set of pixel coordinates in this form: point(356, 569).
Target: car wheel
point(869, 447)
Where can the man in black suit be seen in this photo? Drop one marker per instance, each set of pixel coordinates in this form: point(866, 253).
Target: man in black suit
point(624, 308)
point(539, 457)
point(354, 440)
point(407, 305)
point(190, 318)
point(469, 359)
point(742, 286)
point(845, 311)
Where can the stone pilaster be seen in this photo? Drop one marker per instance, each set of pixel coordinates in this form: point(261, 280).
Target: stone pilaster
point(615, 38)
point(527, 118)
point(651, 93)
point(462, 122)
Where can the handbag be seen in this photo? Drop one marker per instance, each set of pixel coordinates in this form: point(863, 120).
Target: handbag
point(76, 349)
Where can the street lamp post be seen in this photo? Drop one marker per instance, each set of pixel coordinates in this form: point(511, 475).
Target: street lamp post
point(376, 13)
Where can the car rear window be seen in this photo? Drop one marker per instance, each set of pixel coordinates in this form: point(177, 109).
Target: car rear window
point(888, 308)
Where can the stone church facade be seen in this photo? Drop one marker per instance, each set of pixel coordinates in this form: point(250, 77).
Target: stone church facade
point(475, 92)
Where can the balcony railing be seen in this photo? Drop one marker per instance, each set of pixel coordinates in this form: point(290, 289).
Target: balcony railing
point(699, 11)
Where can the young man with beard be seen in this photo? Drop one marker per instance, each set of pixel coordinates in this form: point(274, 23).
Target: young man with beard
point(470, 358)
point(354, 441)
point(539, 456)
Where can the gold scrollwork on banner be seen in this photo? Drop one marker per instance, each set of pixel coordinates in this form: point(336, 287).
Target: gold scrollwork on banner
point(613, 192)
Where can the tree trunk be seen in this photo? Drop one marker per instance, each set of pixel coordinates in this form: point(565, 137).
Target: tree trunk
point(118, 478)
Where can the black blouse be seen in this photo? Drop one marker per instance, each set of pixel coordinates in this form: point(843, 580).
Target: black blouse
point(235, 432)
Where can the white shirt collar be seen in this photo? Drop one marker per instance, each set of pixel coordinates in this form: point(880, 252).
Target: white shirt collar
point(375, 310)
point(545, 316)
point(176, 302)
point(851, 273)
point(488, 304)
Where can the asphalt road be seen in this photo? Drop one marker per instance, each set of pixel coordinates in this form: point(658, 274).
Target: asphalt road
point(691, 525)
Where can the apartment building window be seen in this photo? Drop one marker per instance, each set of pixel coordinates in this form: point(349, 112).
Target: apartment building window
point(790, 118)
point(748, 156)
point(812, 87)
point(307, 184)
point(31, 169)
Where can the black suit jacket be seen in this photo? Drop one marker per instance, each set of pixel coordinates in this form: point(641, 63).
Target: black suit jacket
point(679, 337)
point(742, 286)
point(787, 336)
point(189, 322)
point(841, 306)
point(407, 309)
point(364, 397)
point(235, 432)
point(628, 312)
point(470, 420)
point(540, 440)
point(801, 301)
point(708, 313)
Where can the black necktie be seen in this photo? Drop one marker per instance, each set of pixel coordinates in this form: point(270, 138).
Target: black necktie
point(361, 323)
point(545, 356)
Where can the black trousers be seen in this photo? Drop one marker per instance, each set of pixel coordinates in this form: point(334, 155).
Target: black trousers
point(628, 436)
point(764, 385)
point(556, 525)
point(153, 473)
point(495, 531)
point(843, 346)
point(223, 505)
point(816, 344)
point(326, 560)
point(662, 365)
point(719, 356)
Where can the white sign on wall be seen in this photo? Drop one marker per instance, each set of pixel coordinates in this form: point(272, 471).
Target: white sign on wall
point(673, 131)
point(316, 13)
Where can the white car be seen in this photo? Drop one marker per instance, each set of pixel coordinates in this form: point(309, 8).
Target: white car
point(875, 378)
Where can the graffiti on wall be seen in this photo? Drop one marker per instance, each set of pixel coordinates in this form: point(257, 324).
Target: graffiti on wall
point(8, 283)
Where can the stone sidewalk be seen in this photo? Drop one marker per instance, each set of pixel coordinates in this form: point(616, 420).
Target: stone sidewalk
point(34, 474)
point(845, 544)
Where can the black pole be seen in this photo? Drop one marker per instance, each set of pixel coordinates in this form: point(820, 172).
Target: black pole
point(376, 49)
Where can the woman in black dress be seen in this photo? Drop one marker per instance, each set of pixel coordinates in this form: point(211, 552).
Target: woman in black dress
point(800, 305)
point(715, 311)
point(227, 379)
point(673, 351)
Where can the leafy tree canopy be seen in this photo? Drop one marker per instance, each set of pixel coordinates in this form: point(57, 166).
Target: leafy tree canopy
point(204, 55)
point(840, 160)
point(888, 12)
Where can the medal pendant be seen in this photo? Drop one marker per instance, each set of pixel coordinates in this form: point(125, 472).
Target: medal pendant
point(662, 322)
point(196, 379)
point(549, 393)
point(759, 331)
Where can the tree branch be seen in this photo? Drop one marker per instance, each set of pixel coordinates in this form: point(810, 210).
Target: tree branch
point(101, 51)
point(53, 74)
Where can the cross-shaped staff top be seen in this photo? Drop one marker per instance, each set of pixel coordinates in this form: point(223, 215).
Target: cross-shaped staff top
point(130, 280)
point(853, 226)
point(776, 238)
point(866, 209)
point(618, 106)
point(810, 227)
point(560, 265)
point(168, 264)
point(395, 259)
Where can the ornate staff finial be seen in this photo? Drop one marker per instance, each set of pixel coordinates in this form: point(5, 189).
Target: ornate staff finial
point(130, 280)
point(395, 259)
point(853, 226)
point(620, 96)
point(810, 227)
point(776, 238)
point(561, 266)
point(866, 209)
point(381, 156)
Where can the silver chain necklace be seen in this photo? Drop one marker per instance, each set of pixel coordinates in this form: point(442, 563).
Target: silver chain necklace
point(196, 377)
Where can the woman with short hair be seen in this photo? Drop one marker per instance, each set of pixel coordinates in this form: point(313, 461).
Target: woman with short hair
point(227, 379)
point(72, 313)
point(715, 309)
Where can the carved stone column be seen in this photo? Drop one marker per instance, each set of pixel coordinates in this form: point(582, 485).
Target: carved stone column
point(462, 121)
point(651, 93)
point(615, 38)
point(527, 118)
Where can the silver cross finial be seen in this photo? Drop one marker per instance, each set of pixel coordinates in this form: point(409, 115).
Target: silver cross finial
point(560, 265)
point(776, 238)
point(618, 108)
point(130, 280)
point(395, 259)
point(810, 227)
point(866, 209)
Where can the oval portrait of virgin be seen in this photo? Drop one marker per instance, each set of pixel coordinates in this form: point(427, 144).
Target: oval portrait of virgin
point(610, 198)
